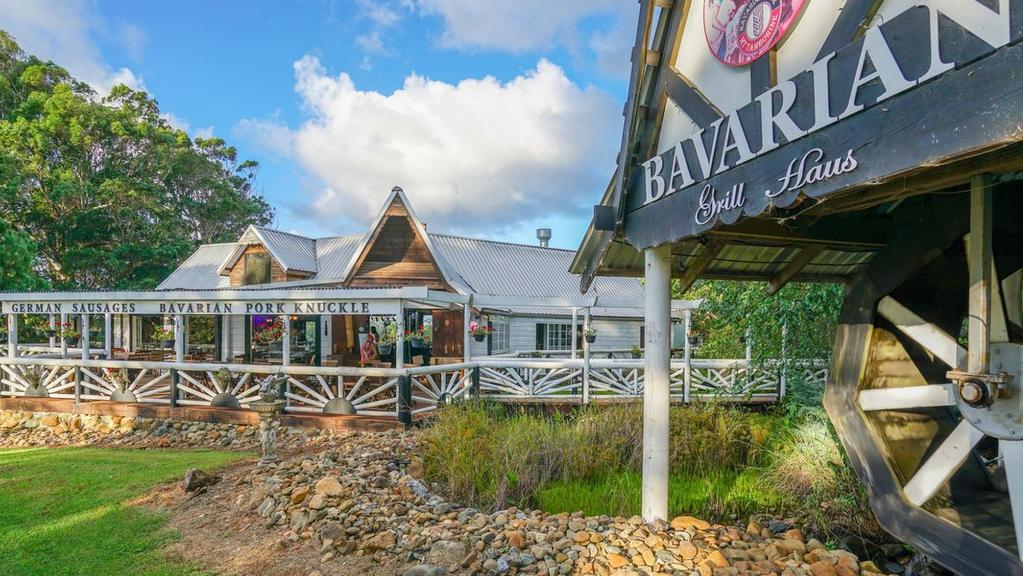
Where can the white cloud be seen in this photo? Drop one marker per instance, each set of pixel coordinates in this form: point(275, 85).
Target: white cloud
point(133, 39)
point(522, 25)
point(61, 31)
point(478, 156)
point(383, 17)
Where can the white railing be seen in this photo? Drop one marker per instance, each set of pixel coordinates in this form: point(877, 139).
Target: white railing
point(396, 393)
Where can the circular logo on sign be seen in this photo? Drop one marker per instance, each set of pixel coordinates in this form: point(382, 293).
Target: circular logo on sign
point(740, 31)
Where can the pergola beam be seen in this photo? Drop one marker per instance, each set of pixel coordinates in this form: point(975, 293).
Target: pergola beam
point(700, 264)
point(803, 257)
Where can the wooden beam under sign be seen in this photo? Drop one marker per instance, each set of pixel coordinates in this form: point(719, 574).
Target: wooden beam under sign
point(689, 99)
point(804, 257)
point(709, 253)
point(840, 235)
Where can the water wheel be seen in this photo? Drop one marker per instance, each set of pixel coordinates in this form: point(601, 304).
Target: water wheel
point(926, 385)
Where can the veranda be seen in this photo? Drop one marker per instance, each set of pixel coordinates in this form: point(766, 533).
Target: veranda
point(411, 386)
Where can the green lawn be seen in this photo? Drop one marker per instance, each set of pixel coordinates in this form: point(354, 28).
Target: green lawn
point(65, 511)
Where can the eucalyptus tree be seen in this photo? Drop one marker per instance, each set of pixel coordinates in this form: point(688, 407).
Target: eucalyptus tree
point(110, 194)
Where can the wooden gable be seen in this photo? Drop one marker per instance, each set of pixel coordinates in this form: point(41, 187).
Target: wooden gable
point(396, 254)
point(277, 274)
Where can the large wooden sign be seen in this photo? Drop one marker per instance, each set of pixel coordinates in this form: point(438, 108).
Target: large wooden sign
point(933, 84)
point(295, 307)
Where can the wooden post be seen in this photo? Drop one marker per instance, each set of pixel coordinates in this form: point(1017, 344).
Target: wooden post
point(179, 356)
point(286, 343)
point(979, 259)
point(784, 362)
point(86, 350)
point(218, 338)
point(586, 357)
point(399, 337)
point(63, 342)
point(575, 331)
point(475, 390)
point(687, 356)
point(108, 336)
point(405, 399)
point(466, 338)
point(12, 336)
point(179, 338)
point(657, 389)
point(53, 331)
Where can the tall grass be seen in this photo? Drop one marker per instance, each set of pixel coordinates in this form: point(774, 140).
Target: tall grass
point(723, 460)
point(488, 458)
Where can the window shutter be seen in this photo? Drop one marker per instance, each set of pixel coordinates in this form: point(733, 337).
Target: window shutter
point(541, 336)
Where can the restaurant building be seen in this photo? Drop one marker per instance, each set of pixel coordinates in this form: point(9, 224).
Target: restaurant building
point(525, 296)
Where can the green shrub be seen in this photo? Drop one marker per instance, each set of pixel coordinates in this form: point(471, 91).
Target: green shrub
point(723, 460)
point(487, 458)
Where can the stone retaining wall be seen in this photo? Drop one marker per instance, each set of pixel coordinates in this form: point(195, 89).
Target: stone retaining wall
point(23, 428)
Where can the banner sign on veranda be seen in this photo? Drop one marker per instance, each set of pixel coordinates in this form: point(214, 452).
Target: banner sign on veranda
point(297, 307)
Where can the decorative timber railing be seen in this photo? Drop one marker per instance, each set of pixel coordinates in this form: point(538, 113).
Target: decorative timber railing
point(400, 393)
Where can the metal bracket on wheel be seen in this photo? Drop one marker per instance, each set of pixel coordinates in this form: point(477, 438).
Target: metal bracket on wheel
point(980, 390)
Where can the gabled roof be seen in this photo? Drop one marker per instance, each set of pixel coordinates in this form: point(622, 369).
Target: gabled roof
point(469, 265)
point(292, 252)
point(366, 245)
point(334, 255)
point(201, 269)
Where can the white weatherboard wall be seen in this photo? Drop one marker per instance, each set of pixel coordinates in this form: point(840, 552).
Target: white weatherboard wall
point(611, 334)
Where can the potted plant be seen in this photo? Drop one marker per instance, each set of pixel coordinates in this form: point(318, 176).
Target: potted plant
point(386, 344)
point(39, 325)
point(478, 331)
point(164, 336)
point(68, 333)
point(590, 334)
point(420, 337)
point(270, 332)
point(3, 332)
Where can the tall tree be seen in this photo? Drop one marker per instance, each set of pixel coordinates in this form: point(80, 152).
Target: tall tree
point(732, 309)
point(109, 192)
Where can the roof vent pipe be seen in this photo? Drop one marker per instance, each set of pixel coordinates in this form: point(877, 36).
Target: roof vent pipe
point(544, 236)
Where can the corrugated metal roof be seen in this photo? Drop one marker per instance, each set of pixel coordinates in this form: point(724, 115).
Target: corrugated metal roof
point(595, 312)
point(292, 252)
point(201, 270)
point(484, 266)
point(334, 254)
point(503, 269)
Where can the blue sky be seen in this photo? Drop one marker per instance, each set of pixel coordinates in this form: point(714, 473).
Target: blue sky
point(496, 117)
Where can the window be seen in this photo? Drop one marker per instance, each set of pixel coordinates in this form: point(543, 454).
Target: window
point(500, 340)
point(553, 336)
point(257, 269)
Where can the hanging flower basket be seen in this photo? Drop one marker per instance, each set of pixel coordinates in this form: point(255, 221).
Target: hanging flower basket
point(385, 348)
point(270, 332)
point(164, 336)
point(590, 338)
point(68, 333)
point(478, 331)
